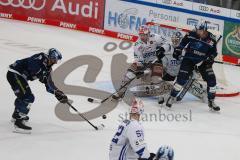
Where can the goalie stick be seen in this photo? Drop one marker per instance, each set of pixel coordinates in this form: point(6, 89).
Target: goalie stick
point(95, 127)
point(105, 99)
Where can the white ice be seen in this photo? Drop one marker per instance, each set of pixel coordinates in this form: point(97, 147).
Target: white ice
point(205, 136)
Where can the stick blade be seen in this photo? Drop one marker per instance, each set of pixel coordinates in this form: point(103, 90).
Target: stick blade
point(101, 127)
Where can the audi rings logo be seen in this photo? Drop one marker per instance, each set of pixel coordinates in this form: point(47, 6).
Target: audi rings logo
point(27, 4)
point(203, 8)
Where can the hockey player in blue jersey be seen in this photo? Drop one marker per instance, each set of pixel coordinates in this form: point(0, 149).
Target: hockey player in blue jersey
point(200, 51)
point(38, 66)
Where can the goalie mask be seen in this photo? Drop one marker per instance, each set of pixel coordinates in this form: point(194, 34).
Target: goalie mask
point(176, 38)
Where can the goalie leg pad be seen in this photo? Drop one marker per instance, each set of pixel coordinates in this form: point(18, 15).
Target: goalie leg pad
point(198, 90)
point(148, 90)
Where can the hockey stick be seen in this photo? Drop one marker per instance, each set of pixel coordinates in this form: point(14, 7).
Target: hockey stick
point(95, 127)
point(220, 62)
point(185, 89)
point(102, 101)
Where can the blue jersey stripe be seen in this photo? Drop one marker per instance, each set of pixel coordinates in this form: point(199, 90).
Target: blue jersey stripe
point(140, 152)
point(122, 152)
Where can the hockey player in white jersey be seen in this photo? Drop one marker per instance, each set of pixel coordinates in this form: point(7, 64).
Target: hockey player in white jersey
point(129, 143)
point(145, 50)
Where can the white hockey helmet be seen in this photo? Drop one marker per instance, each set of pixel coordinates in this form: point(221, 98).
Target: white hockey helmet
point(137, 106)
point(165, 153)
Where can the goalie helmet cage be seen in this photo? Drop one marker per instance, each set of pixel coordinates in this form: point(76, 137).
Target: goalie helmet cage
point(224, 88)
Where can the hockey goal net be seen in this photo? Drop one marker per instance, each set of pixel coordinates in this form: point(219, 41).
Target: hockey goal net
point(224, 88)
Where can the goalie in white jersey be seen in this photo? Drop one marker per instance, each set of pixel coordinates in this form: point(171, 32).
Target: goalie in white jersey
point(145, 50)
point(129, 143)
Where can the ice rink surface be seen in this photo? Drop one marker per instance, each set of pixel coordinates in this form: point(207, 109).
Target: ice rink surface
point(201, 135)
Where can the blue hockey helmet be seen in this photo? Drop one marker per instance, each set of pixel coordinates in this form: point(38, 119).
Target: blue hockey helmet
point(203, 26)
point(165, 153)
point(54, 54)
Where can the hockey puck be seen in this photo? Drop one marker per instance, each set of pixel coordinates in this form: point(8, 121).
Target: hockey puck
point(104, 116)
point(90, 100)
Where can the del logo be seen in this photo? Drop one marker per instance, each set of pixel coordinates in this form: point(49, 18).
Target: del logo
point(192, 22)
point(233, 41)
point(126, 19)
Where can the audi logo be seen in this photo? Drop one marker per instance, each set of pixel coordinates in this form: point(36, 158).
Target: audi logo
point(203, 8)
point(27, 4)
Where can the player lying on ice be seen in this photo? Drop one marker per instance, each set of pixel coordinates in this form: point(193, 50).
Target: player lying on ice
point(38, 66)
point(129, 144)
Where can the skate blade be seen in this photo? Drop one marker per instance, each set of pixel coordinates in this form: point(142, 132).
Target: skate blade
point(214, 111)
point(21, 131)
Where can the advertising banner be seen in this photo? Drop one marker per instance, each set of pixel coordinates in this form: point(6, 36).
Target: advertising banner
point(211, 9)
point(177, 3)
point(126, 17)
point(68, 12)
point(235, 14)
point(231, 45)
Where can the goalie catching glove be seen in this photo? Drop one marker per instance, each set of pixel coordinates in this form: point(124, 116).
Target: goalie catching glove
point(61, 97)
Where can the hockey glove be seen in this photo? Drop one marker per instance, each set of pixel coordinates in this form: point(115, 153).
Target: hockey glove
point(177, 53)
point(61, 97)
point(139, 74)
point(210, 60)
point(160, 53)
